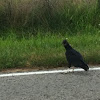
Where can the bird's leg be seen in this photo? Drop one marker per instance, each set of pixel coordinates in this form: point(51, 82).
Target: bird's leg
point(73, 69)
point(69, 65)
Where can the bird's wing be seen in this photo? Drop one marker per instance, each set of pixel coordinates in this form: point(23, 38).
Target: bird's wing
point(76, 59)
point(76, 54)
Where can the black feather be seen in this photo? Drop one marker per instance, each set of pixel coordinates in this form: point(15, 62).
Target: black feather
point(74, 57)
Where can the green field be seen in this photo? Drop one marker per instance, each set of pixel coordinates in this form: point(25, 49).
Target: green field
point(31, 32)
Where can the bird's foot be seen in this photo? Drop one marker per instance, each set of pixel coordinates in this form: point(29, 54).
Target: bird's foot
point(73, 69)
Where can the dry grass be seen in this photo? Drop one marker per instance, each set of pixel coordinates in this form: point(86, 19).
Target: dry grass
point(22, 12)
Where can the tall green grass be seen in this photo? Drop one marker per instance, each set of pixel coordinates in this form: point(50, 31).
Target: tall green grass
point(46, 51)
point(49, 15)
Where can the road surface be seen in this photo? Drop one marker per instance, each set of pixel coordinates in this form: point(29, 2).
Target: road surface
point(56, 86)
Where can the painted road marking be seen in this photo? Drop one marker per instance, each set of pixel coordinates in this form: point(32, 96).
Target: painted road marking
point(46, 72)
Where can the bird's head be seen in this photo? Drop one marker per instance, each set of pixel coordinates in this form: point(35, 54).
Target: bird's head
point(65, 43)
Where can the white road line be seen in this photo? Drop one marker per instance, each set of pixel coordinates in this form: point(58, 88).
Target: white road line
point(46, 72)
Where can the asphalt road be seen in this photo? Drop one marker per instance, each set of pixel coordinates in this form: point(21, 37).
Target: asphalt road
point(70, 86)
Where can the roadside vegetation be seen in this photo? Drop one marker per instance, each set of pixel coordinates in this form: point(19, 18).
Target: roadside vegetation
point(31, 32)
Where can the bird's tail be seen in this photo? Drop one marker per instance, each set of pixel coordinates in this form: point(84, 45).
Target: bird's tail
point(86, 68)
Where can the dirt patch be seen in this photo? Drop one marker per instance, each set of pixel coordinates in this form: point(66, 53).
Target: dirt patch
point(14, 70)
point(30, 69)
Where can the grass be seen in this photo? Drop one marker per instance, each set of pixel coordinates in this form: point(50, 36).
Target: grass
point(48, 15)
point(49, 22)
point(46, 51)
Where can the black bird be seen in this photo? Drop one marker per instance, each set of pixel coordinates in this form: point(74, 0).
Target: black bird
point(73, 57)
